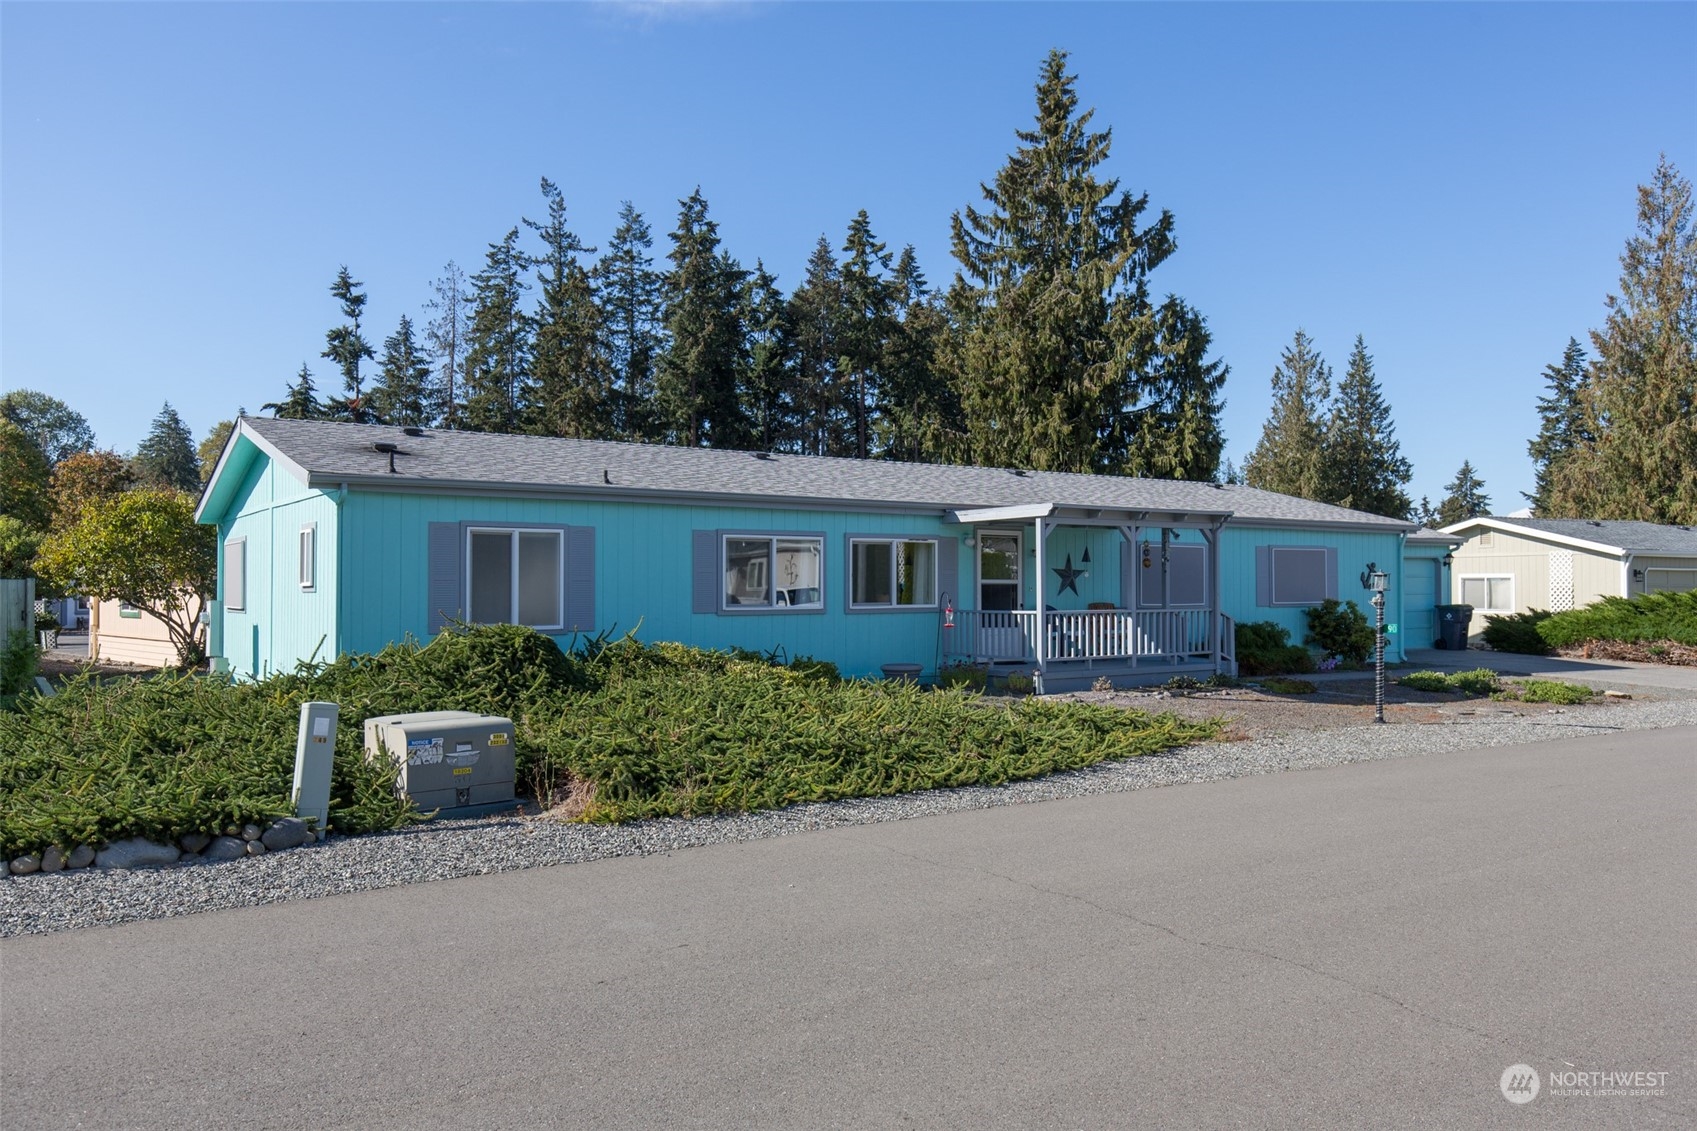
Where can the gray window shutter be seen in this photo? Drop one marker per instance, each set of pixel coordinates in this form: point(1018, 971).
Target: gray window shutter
point(1264, 576)
point(1331, 573)
point(580, 579)
point(707, 571)
point(948, 569)
point(444, 590)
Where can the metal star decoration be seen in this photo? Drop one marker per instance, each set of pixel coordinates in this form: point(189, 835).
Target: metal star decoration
point(1069, 576)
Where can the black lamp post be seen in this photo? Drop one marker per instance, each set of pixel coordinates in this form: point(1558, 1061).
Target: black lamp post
point(1376, 580)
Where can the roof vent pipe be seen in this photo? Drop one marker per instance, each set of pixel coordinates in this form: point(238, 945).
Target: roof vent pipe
point(386, 448)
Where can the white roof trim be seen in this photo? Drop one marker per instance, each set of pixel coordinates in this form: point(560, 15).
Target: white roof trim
point(1003, 514)
point(1532, 532)
point(241, 429)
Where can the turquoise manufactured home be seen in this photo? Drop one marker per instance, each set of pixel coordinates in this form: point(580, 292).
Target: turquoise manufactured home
point(338, 538)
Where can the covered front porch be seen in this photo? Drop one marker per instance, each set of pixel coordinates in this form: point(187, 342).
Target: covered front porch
point(1156, 608)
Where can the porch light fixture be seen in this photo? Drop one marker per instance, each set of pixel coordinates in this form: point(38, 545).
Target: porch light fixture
point(1638, 575)
point(1449, 560)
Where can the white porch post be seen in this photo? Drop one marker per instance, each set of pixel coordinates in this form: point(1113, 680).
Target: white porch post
point(1038, 588)
point(1212, 537)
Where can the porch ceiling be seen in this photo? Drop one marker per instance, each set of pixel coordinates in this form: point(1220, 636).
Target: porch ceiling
point(1067, 515)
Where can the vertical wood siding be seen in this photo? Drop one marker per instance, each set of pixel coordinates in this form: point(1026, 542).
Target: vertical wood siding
point(1238, 598)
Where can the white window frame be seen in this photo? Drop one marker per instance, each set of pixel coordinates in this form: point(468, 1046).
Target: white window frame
point(892, 542)
point(307, 553)
point(1273, 553)
point(770, 572)
point(236, 579)
point(1017, 582)
point(1461, 590)
point(559, 536)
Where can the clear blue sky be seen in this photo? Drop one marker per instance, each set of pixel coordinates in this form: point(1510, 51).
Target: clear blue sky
point(178, 184)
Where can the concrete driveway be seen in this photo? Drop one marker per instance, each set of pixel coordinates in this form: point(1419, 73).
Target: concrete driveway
point(1367, 945)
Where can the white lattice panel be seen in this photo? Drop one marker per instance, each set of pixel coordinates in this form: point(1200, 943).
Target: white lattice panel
point(1561, 580)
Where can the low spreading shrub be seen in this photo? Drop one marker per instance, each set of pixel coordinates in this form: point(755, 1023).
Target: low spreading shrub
point(1553, 691)
point(1517, 632)
point(1280, 686)
point(1479, 681)
point(1264, 648)
point(18, 662)
point(1650, 616)
point(1340, 629)
point(622, 730)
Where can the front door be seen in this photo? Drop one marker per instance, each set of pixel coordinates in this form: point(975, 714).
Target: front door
point(999, 588)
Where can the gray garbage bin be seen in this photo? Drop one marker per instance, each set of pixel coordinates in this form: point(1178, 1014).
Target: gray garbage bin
point(1453, 622)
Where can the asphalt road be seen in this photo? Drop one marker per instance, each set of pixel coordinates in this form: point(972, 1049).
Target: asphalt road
point(1367, 945)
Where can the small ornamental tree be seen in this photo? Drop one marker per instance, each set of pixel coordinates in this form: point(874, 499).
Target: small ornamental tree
point(143, 547)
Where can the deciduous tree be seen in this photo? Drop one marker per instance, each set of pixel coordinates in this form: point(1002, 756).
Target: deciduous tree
point(57, 429)
point(24, 476)
point(85, 479)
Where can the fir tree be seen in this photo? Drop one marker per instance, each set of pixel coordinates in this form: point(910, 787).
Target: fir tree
point(632, 298)
point(573, 379)
point(919, 415)
point(864, 328)
point(815, 312)
point(1466, 498)
point(1561, 426)
point(446, 336)
point(403, 393)
point(1288, 457)
point(700, 375)
point(301, 401)
point(770, 391)
point(166, 457)
point(1054, 354)
point(1640, 400)
point(1228, 473)
point(497, 365)
point(1362, 462)
point(1178, 433)
point(347, 347)
point(1425, 514)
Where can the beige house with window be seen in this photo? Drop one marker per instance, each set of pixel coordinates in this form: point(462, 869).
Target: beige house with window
point(1513, 565)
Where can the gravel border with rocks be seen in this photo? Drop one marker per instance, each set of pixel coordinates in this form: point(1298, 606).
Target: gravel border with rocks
point(42, 903)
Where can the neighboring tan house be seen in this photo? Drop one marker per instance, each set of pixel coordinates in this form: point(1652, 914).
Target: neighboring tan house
point(1512, 565)
point(121, 633)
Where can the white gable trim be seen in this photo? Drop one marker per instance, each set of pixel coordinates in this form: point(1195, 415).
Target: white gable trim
point(1535, 534)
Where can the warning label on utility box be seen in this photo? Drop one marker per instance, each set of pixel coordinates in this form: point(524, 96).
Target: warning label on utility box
point(424, 751)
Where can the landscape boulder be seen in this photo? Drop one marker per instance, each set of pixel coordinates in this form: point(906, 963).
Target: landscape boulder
point(225, 848)
point(24, 865)
point(290, 832)
point(81, 856)
point(194, 842)
point(136, 852)
point(53, 859)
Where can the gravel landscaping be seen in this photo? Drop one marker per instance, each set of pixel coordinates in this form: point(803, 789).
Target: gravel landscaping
point(43, 903)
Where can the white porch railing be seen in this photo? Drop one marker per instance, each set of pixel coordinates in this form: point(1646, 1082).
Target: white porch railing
point(1094, 634)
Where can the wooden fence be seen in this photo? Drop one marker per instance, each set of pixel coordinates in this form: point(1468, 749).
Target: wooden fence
point(17, 607)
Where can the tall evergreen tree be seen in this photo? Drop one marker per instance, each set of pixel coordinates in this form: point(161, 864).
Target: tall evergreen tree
point(1053, 355)
point(403, 394)
point(1466, 498)
point(815, 313)
point(1362, 462)
point(166, 457)
point(919, 415)
point(1178, 434)
point(446, 335)
point(632, 299)
point(1561, 424)
point(497, 366)
point(1287, 458)
point(864, 330)
point(573, 392)
point(347, 347)
point(770, 392)
point(300, 402)
point(700, 374)
point(1640, 401)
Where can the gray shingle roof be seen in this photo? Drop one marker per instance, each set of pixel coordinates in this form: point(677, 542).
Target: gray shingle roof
point(1633, 537)
point(331, 452)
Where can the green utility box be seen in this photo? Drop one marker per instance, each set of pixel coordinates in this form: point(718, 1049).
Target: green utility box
point(446, 759)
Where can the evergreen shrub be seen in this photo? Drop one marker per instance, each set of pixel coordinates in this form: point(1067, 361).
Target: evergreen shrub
point(1517, 632)
point(1340, 628)
point(1649, 616)
point(1264, 648)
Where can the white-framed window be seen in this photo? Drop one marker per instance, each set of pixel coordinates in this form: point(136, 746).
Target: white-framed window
point(773, 572)
point(515, 576)
point(893, 573)
point(1000, 570)
point(1298, 574)
point(309, 556)
point(235, 574)
point(1488, 592)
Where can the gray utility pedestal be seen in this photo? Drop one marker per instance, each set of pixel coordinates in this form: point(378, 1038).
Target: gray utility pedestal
point(447, 759)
